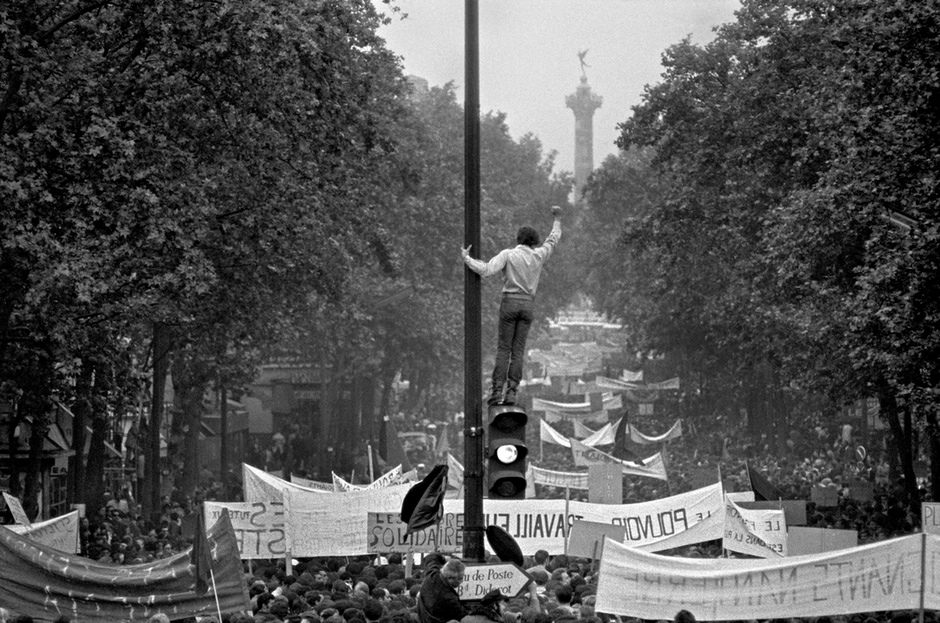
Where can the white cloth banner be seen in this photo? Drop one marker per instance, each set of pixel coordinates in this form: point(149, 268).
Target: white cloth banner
point(610, 401)
point(344, 486)
point(550, 435)
point(603, 436)
point(658, 525)
point(336, 524)
point(585, 456)
point(569, 480)
point(754, 532)
point(59, 533)
point(391, 477)
point(604, 382)
point(260, 486)
point(312, 484)
point(628, 375)
point(321, 523)
point(669, 384)
point(597, 417)
point(673, 433)
point(580, 430)
point(870, 578)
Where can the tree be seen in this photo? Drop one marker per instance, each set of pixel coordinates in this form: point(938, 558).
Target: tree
point(780, 147)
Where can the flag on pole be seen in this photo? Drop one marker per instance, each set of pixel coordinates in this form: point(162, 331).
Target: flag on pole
point(763, 489)
point(390, 447)
point(423, 505)
point(200, 556)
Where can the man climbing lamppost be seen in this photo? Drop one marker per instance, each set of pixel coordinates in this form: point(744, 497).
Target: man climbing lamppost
point(521, 267)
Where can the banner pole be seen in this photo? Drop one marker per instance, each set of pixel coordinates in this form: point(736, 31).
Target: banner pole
point(410, 561)
point(218, 607)
point(567, 527)
point(923, 572)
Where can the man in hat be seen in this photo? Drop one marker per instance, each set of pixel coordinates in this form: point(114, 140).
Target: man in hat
point(521, 267)
point(438, 601)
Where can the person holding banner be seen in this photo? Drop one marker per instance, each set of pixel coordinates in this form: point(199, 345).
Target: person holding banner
point(438, 601)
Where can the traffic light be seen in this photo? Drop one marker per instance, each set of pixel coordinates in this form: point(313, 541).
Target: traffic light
point(506, 452)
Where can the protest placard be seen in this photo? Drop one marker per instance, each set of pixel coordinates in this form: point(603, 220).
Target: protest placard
point(16, 509)
point(60, 533)
point(930, 517)
point(761, 533)
point(259, 527)
point(587, 538)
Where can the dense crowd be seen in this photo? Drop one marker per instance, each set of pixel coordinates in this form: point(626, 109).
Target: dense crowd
point(360, 590)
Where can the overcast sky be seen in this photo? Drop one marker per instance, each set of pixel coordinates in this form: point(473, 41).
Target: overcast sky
point(529, 56)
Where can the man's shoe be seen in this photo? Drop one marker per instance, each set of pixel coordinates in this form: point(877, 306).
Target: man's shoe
point(510, 398)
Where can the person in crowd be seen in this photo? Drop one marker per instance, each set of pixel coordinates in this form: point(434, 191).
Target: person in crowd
point(438, 601)
point(490, 609)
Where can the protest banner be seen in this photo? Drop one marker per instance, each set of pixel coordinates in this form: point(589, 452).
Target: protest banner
point(260, 486)
point(564, 480)
point(675, 521)
point(259, 527)
point(386, 534)
point(335, 524)
point(49, 584)
point(60, 533)
point(585, 456)
point(673, 433)
point(761, 533)
point(877, 577)
point(312, 484)
point(805, 540)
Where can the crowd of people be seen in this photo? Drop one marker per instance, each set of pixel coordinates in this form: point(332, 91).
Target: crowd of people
point(364, 590)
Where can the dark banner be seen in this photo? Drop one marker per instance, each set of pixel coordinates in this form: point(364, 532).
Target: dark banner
point(45, 583)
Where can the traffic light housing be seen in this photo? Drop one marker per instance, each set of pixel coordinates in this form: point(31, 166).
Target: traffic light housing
point(506, 452)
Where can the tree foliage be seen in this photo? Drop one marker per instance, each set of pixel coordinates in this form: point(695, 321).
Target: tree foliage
point(781, 149)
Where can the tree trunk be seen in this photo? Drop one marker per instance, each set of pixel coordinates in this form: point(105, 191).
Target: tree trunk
point(94, 474)
point(81, 409)
point(190, 380)
point(38, 407)
point(162, 346)
point(889, 410)
point(223, 440)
